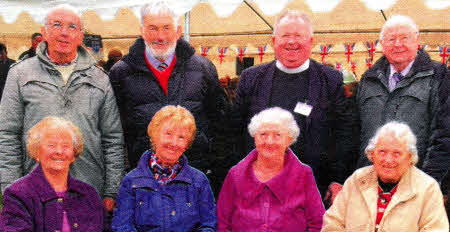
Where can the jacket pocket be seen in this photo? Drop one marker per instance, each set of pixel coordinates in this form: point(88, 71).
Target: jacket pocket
point(148, 208)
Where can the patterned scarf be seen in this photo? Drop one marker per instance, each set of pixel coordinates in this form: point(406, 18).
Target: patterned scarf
point(163, 174)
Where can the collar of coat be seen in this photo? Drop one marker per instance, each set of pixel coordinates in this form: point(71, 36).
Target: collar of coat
point(135, 57)
point(46, 192)
point(422, 66)
point(83, 62)
point(367, 184)
point(144, 178)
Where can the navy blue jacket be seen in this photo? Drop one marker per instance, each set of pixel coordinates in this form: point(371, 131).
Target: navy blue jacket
point(329, 113)
point(184, 204)
point(193, 84)
point(31, 204)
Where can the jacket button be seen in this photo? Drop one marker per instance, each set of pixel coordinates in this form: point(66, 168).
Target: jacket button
point(134, 186)
point(141, 203)
point(60, 200)
point(75, 225)
point(173, 213)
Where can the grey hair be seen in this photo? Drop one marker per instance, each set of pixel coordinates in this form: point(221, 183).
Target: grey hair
point(399, 20)
point(402, 132)
point(159, 8)
point(294, 14)
point(277, 116)
point(37, 132)
point(66, 7)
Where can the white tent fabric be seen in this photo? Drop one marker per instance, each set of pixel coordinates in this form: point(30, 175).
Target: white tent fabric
point(107, 9)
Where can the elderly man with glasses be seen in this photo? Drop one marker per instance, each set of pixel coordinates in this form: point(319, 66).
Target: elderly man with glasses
point(403, 85)
point(62, 80)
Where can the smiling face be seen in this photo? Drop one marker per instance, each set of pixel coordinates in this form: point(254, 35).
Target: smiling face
point(292, 42)
point(56, 151)
point(160, 35)
point(272, 140)
point(63, 34)
point(171, 143)
point(400, 45)
point(391, 158)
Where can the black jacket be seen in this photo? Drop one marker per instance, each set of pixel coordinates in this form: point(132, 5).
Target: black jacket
point(193, 84)
point(4, 69)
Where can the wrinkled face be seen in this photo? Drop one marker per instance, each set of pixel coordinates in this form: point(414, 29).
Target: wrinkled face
point(36, 41)
point(160, 35)
point(272, 140)
point(172, 142)
point(400, 45)
point(292, 42)
point(56, 151)
point(391, 159)
point(63, 33)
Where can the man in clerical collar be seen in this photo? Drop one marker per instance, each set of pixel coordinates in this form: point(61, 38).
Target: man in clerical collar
point(162, 69)
point(63, 80)
point(311, 91)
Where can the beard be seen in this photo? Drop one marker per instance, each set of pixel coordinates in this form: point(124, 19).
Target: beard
point(162, 56)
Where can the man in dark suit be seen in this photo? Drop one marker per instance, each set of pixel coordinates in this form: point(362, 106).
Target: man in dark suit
point(313, 92)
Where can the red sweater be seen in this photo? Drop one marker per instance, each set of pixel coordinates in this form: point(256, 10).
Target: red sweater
point(162, 77)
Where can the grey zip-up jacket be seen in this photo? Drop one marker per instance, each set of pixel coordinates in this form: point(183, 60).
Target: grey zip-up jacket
point(34, 90)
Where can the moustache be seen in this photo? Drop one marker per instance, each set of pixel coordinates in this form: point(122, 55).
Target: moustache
point(160, 43)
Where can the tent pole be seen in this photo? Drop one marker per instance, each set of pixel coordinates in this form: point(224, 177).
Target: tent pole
point(187, 25)
point(260, 16)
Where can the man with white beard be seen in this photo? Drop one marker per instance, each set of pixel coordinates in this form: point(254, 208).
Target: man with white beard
point(162, 69)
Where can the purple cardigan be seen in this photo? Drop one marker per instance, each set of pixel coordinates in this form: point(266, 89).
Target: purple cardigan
point(288, 202)
point(31, 204)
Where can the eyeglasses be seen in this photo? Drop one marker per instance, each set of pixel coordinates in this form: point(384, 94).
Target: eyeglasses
point(390, 40)
point(58, 26)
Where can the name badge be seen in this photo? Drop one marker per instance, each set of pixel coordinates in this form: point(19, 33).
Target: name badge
point(303, 108)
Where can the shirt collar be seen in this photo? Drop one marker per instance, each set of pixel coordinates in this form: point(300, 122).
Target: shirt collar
point(155, 62)
point(278, 184)
point(404, 72)
point(300, 69)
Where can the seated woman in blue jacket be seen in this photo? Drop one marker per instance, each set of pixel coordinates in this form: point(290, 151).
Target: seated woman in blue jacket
point(164, 193)
point(48, 199)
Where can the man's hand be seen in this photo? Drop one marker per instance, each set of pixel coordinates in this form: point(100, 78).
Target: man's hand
point(333, 191)
point(109, 204)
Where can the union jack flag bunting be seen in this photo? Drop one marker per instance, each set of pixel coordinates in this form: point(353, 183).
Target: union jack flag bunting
point(371, 48)
point(262, 50)
point(349, 50)
point(338, 66)
point(204, 51)
point(324, 51)
point(421, 47)
point(444, 52)
point(241, 53)
point(369, 63)
point(222, 52)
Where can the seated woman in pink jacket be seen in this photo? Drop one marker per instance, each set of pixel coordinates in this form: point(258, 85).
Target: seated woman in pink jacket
point(270, 189)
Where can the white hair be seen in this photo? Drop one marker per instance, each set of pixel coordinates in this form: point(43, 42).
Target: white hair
point(399, 20)
point(294, 14)
point(277, 116)
point(160, 7)
point(66, 7)
point(400, 131)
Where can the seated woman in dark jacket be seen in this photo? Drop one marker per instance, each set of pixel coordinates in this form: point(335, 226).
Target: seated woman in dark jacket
point(48, 199)
point(164, 193)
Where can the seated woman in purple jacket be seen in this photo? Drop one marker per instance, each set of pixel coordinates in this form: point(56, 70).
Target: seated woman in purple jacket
point(270, 189)
point(164, 193)
point(48, 199)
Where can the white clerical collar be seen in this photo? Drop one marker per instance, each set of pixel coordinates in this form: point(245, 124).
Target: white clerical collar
point(300, 69)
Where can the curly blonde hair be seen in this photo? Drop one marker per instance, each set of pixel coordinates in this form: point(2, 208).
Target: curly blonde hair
point(175, 114)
